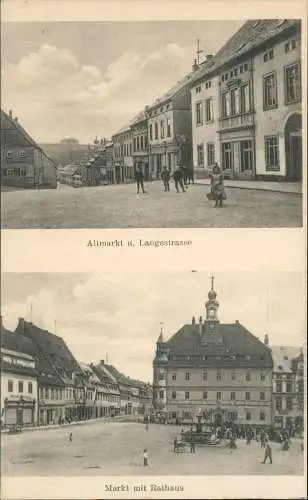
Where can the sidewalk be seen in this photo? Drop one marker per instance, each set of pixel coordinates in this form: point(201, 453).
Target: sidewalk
point(278, 187)
point(121, 418)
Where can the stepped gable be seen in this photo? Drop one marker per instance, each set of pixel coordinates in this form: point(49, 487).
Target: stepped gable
point(237, 342)
point(53, 349)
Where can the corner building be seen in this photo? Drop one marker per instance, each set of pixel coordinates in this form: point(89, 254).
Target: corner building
point(221, 370)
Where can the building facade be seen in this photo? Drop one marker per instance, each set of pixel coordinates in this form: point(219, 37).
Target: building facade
point(140, 145)
point(169, 129)
point(288, 407)
point(259, 101)
point(23, 163)
point(221, 370)
point(123, 155)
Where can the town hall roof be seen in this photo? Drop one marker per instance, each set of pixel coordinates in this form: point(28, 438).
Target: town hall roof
point(238, 345)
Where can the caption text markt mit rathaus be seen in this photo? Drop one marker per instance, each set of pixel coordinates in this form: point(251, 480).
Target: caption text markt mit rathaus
point(139, 242)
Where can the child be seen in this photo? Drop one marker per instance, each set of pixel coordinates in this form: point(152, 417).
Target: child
point(268, 452)
point(145, 457)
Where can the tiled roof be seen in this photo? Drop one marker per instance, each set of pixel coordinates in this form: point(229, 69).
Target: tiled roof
point(282, 357)
point(173, 90)
point(252, 35)
point(126, 128)
point(237, 341)
point(52, 347)
point(21, 343)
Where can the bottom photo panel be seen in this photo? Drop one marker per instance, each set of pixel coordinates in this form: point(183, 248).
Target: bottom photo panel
point(171, 374)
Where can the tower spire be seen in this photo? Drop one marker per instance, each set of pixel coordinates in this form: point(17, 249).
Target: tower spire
point(212, 283)
point(199, 51)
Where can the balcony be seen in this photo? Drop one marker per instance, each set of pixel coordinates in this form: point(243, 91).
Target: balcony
point(236, 122)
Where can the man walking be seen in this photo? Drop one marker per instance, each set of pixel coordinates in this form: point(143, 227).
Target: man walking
point(268, 452)
point(145, 457)
point(178, 179)
point(139, 180)
point(165, 175)
point(192, 447)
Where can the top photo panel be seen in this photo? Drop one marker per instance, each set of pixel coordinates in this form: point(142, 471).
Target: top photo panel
point(174, 124)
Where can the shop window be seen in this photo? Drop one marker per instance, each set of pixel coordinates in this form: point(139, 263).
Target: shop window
point(210, 150)
point(246, 156)
point(227, 156)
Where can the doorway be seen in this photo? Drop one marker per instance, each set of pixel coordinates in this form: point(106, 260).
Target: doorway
point(293, 147)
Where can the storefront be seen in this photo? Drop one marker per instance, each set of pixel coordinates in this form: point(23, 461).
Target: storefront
point(237, 154)
point(19, 411)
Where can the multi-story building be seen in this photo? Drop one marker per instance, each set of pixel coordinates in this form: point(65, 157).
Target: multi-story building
point(288, 409)
point(111, 397)
point(19, 383)
point(169, 128)
point(259, 100)
point(23, 162)
point(123, 154)
point(221, 370)
point(60, 376)
point(140, 144)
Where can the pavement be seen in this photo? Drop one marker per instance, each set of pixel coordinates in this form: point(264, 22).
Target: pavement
point(116, 449)
point(278, 187)
point(118, 206)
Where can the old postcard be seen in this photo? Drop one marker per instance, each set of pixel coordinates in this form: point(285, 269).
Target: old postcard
point(153, 290)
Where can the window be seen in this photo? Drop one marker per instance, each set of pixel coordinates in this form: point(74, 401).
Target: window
point(248, 416)
point(287, 47)
point(292, 84)
point(225, 104)
point(200, 155)
point(156, 130)
point(232, 396)
point(173, 376)
point(204, 375)
point(233, 376)
point(20, 386)
point(227, 156)
point(218, 396)
point(271, 54)
point(209, 84)
point(231, 74)
point(162, 129)
point(199, 118)
point(204, 395)
point(210, 150)
point(262, 416)
point(21, 154)
point(246, 156)
point(246, 67)
point(278, 386)
point(262, 377)
point(151, 132)
point(138, 144)
point(232, 415)
point(269, 91)
point(173, 395)
point(271, 153)
point(278, 404)
point(161, 394)
point(9, 155)
point(218, 375)
point(262, 396)
point(10, 386)
point(289, 404)
point(187, 376)
point(30, 387)
point(289, 387)
point(198, 90)
point(222, 78)
point(247, 396)
point(293, 44)
point(209, 110)
point(46, 394)
point(186, 395)
point(161, 376)
point(168, 127)
point(173, 414)
point(245, 99)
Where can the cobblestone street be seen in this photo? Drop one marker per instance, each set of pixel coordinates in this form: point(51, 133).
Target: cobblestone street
point(100, 448)
point(118, 206)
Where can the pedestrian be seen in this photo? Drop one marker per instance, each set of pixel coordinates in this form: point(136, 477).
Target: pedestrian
point(185, 176)
point(175, 445)
point(190, 175)
point(192, 447)
point(145, 457)
point(268, 453)
point(178, 179)
point(71, 436)
point(217, 186)
point(285, 445)
point(165, 175)
point(139, 180)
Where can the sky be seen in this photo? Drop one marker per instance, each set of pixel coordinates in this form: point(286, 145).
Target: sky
point(82, 80)
point(120, 315)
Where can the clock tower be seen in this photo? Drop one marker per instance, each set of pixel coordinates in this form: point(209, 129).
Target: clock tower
point(210, 329)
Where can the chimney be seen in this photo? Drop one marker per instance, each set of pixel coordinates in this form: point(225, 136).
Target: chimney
point(200, 325)
point(102, 362)
point(237, 322)
point(10, 113)
point(16, 119)
point(21, 324)
point(266, 340)
point(208, 57)
point(195, 65)
point(193, 321)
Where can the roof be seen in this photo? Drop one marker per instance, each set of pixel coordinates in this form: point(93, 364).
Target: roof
point(238, 345)
point(172, 90)
point(250, 37)
point(105, 376)
point(137, 118)
point(282, 357)
point(52, 348)
point(69, 169)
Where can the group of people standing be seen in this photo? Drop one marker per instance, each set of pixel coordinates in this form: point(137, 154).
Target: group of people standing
point(184, 176)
